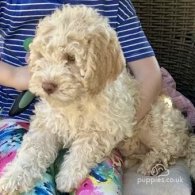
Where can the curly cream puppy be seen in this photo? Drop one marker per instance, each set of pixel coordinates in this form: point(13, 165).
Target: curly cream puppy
point(87, 103)
point(78, 72)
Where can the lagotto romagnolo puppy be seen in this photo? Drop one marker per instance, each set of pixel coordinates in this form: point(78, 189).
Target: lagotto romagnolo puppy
point(88, 103)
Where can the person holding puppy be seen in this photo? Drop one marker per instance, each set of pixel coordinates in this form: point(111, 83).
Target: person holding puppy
point(18, 22)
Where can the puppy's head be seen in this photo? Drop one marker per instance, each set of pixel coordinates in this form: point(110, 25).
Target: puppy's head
point(74, 53)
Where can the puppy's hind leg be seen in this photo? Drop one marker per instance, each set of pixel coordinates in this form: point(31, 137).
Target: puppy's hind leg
point(154, 163)
point(164, 131)
point(38, 150)
point(165, 149)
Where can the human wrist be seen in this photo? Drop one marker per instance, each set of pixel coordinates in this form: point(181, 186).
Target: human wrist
point(149, 90)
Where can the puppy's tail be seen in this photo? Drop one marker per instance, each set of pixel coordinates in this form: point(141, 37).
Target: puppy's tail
point(191, 155)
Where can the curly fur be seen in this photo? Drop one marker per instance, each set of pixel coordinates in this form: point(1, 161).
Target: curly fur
point(92, 109)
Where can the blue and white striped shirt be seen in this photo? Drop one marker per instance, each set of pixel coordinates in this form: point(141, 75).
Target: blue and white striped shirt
point(18, 20)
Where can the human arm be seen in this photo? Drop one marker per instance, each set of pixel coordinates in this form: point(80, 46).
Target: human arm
point(139, 56)
point(15, 77)
point(147, 73)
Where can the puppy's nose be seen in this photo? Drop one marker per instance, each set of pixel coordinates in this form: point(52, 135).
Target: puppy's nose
point(49, 87)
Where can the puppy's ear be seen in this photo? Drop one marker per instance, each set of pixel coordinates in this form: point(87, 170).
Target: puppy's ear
point(39, 44)
point(105, 59)
point(34, 55)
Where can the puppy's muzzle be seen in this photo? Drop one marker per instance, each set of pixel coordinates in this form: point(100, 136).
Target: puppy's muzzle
point(49, 87)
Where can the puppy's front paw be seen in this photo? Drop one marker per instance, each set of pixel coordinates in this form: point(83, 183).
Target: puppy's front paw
point(68, 180)
point(9, 193)
point(14, 181)
point(9, 184)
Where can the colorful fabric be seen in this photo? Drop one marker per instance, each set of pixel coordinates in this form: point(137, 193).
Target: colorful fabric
point(104, 179)
point(18, 20)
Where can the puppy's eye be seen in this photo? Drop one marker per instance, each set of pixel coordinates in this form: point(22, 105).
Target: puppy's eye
point(70, 58)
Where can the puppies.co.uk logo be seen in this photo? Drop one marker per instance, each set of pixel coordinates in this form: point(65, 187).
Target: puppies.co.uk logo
point(159, 174)
point(159, 170)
